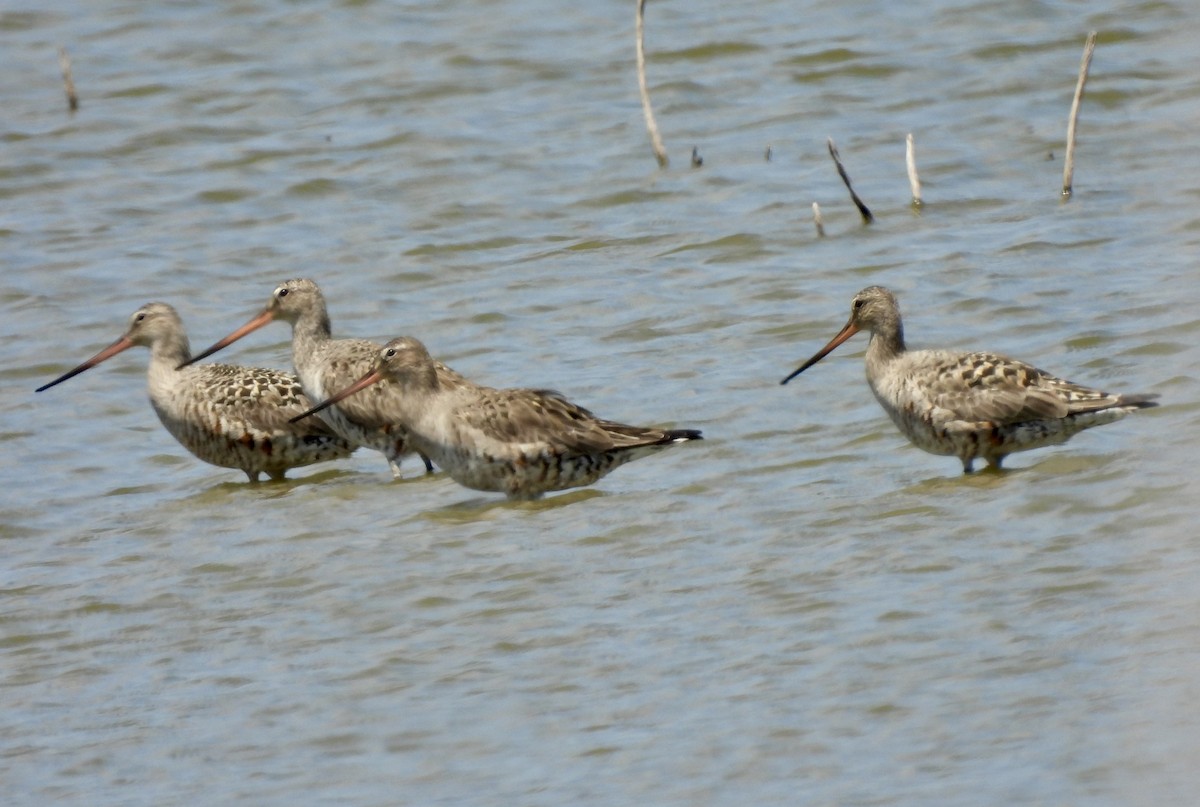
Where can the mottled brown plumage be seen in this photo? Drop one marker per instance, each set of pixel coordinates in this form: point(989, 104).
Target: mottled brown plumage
point(522, 442)
point(233, 417)
point(326, 365)
point(969, 405)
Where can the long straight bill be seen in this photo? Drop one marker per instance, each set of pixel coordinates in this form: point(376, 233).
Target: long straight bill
point(265, 318)
point(843, 335)
point(359, 385)
point(116, 347)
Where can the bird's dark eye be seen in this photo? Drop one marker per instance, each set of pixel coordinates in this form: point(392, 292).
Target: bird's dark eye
point(282, 293)
point(141, 315)
point(389, 353)
point(858, 304)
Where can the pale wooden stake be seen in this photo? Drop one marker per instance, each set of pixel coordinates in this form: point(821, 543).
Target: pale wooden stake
point(1069, 163)
point(64, 63)
point(914, 181)
point(660, 153)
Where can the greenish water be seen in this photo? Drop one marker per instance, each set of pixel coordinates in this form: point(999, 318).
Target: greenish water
point(802, 608)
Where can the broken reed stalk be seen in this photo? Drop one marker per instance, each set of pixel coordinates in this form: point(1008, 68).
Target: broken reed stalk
point(817, 220)
point(1069, 163)
point(660, 153)
point(914, 181)
point(863, 210)
point(64, 62)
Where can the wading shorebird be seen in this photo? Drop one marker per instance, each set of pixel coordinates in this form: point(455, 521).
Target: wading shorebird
point(969, 405)
point(521, 442)
point(233, 417)
point(326, 365)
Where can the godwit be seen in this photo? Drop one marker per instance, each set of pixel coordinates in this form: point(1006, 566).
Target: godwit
point(326, 365)
point(234, 417)
point(969, 405)
point(522, 442)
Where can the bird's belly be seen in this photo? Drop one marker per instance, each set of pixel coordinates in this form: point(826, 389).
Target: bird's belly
point(919, 426)
point(389, 440)
point(230, 442)
point(524, 474)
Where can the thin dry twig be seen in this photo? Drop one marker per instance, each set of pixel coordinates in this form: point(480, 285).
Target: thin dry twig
point(660, 153)
point(863, 210)
point(914, 181)
point(1069, 163)
point(817, 220)
point(64, 63)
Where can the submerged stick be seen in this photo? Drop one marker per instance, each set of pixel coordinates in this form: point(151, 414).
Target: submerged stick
point(64, 63)
point(660, 153)
point(817, 220)
point(914, 181)
point(1069, 163)
point(863, 210)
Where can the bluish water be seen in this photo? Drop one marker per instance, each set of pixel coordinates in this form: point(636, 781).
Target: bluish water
point(801, 609)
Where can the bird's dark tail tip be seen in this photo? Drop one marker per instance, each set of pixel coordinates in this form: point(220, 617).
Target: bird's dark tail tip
point(681, 435)
point(1146, 401)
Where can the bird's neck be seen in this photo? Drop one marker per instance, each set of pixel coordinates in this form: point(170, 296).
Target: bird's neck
point(421, 381)
point(171, 350)
point(886, 344)
point(311, 329)
point(162, 375)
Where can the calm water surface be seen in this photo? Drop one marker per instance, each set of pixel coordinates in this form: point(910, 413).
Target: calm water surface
point(803, 609)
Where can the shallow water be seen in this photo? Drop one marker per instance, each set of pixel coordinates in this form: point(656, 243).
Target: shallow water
point(802, 608)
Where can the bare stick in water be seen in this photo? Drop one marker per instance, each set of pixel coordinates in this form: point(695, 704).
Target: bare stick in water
point(817, 220)
point(64, 62)
point(660, 153)
point(914, 181)
point(1069, 162)
point(841, 169)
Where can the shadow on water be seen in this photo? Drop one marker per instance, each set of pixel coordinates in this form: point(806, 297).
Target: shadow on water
point(340, 482)
point(233, 490)
point(475, 509)
point(1055, 465)
point(954, 480)
point(335, 485)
